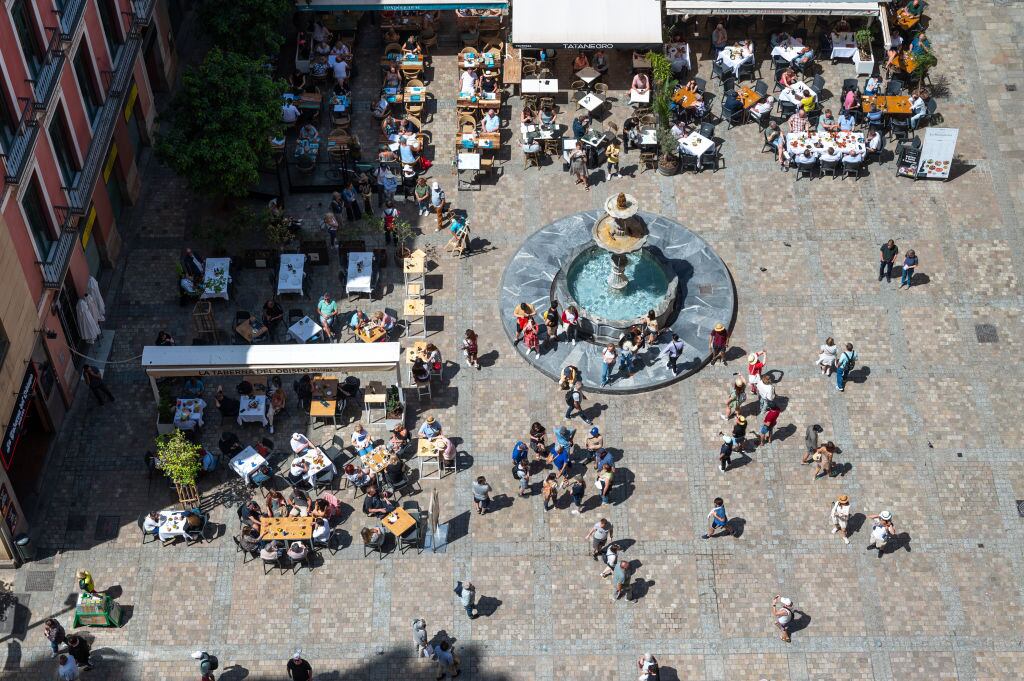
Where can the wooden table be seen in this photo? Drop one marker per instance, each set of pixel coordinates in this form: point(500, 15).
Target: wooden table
point(286, 529)
point(324, 390)
point(484, 141)
point(418, 349)
point(403, 522)
point(747, 97)
point(373, 335)
point(413, 308)
point(894, 106)
point(685, 98)
point(484, 101)
point(512, 68)
point(377, 460)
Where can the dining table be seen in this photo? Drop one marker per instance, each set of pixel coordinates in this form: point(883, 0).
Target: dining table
point(318, 463)
point(291, 528)
point(685, 97)
point(246, 462)
point(843, 45)
point(733, 57)
point(796, 92)
point(591, 102)
point(376, 460)
point(484, 141)
point(304, 330)
point(188, 413)
point(747, 96)
point(892, 105)
point(695, 144)
point(588, 74)
point(172, 525)
point(482, 100)
point(788, 49)
point(844, 142)
point(216, 278)
point(539, 86)
point(360, 273)
point(290, 273)
point(472, 60)
point(253, 410)
point(398, 522)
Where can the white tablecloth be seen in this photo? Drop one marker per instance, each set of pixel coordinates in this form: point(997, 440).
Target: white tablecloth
point(216, 278)
point(639, 97)
point(300, 442)
point(289, 275)
point(788, 49)
point(188, 413)
point(732, 58)
point(795, 92)
point(843, 45)
point(172, 524)
point(468, 161)
point(591, 102)
point(695, 144)
point(304, 329)
point(318, 464)
point(246, 462)
point(843, 142)
point(360, 272)
point(256, 414)
point(539, 86)
point(679, 55)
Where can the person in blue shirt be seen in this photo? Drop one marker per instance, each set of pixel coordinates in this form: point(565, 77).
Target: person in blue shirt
point(731, 104)
point(559, 458)
point(847, 122)
point(431, 428)
point(603, 458)
point(579, 126)
point(847, 359)
point(194, 387)
point(564, 437)
point(717, 520)
point(209, 461)
point(519, 452)
point(874, 116)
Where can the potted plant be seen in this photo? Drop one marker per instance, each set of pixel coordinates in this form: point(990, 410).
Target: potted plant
point(179, 460)
point(664, 86)
point(402, 231)
point(165, 411)
point(863, 60)
point(277, 233)
point(394, 410)
point(923, 63)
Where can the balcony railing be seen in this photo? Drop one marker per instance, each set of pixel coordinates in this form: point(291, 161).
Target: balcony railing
point(116, 82)
point(17, 156)
point(69, 18)
point(45, 82)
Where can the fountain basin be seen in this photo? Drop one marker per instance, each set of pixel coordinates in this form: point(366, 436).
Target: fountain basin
point(605, 312)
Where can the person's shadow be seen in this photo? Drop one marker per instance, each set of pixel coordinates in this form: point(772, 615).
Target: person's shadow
point(801, 620)
point(487, 606)
point(737, 525)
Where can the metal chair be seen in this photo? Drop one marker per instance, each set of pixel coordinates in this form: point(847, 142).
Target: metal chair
point(712, 156)
point(271, 563)
point(717, 69)
point(893, 87)
point(688, 162)
point(761, 88)
point(734, 118)
point(707, 130)
point(648, 161)
point(829, 167)
point(807, 170)
point(854, 169)
point(199, 535)
point(413, 539)
point(899, 128)
point(701, 84)
point(818, 85)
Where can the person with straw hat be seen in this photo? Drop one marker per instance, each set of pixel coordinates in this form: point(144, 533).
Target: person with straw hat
point(782, 611)
point(881, 531)
point(85, 583)
point(523, 312)
point(718, 343)
point(840, 516)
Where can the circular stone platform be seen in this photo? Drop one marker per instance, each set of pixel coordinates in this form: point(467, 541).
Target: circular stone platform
point(706, 298)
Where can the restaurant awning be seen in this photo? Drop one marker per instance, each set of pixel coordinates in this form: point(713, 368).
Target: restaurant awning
point(393, 5)
point(586, 24)
point(776, 7)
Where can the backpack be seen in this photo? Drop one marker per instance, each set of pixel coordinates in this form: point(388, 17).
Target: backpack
point(851, 358)
point(570, 400)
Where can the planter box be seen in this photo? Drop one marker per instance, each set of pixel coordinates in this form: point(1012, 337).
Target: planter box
point(164, 428)
point(865, 67)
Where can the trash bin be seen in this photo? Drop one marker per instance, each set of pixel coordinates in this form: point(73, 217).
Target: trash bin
point(23, 545)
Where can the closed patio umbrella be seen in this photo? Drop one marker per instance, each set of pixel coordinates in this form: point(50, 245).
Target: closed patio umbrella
point(88, 328)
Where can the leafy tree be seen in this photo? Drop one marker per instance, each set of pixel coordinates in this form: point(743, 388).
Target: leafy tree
point(251, 27)
point(221, 122)
point(179, 458)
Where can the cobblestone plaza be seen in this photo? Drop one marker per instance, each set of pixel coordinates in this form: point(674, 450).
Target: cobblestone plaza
point(926, 429)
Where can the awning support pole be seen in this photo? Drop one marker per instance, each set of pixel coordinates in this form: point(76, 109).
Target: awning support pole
point(156, 392)
point(883, 19)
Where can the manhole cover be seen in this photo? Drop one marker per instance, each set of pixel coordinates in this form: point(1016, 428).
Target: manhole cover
point(1011, 87)
point(107, 527)
point(76, 523)
point(40, 580)
point(986, 333)
point(1020, 507)
point(706, 289)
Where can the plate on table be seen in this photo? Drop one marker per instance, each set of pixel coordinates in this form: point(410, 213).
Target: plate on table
point(253, 404)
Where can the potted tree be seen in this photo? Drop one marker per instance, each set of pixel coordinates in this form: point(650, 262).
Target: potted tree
point(402, 231)
point(165, 411)
point(394, 410)
point(923, 64)
point(179, 460)
point(664, 86)
point(863, 60)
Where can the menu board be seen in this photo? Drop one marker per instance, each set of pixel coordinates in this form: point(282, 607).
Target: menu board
point(937, 153)
point(908, 161)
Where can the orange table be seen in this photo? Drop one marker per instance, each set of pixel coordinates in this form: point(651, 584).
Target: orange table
point(286, 529)
point(685, 98)
point(373, 335)
point(376, 460)
point(748, 97)
point(398, 522)
point(894, 106)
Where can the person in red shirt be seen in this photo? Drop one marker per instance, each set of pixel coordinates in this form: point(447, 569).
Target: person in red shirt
point(718, 343)
point(768, 427)
point(755, 364)
point(523, 313)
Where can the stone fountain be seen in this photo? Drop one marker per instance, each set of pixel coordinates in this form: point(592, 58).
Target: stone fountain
point(620, 232)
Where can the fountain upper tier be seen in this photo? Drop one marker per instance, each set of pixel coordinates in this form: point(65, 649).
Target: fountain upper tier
point(620, 230)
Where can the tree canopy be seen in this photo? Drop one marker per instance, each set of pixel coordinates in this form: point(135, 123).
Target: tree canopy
point(251, 27)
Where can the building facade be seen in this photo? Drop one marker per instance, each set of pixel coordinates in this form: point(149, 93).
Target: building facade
point(77, 83)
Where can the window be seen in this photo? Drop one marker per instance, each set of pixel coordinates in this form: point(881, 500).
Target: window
point(63, 150)
point(38, 220)
point(87, 82)
point(28, 35)
point(110, 19)
point(8, 122)
point(5, 344)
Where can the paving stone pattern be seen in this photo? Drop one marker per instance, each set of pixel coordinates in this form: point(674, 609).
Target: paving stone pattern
point(928, 428)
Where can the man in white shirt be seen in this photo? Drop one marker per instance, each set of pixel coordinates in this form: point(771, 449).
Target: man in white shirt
point(289, 112)
point(468, 80)
point(830, 154)
point(874, 141)
point(840, 516)
point(491, 121)
point(855, 156)
point(919, 108)
point(341, 71)
point(807, 158)
point(765, 391)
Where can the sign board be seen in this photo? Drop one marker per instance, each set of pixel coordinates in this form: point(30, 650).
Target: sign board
point(937, 153)
point(18, 416)
point(908, 160)
point(7, 509)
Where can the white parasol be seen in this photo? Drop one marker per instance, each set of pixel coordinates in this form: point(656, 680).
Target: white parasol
point(88, 329)
point(96, 300)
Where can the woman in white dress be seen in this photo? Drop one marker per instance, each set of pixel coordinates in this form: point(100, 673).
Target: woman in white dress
point(827, 357)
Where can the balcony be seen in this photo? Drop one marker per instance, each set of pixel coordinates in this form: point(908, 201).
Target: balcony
point(116, 83)
point(17, 157)
point(70, 16)
point(46, 79)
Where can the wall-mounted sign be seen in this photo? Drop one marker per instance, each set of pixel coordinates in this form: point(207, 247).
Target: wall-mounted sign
point(16, 424)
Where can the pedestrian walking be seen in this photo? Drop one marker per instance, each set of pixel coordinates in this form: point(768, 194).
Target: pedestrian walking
point(521, 472)
point(737, 396)
point(481, 495)
point(549, 491)
point(574, 403)
point(611, 559)
point(578, 165)
point(365, 189)
point(765, 393)
point(422, 195)
point(467, 594)
point(80, 650)
point(840, 516)
point(389, 215)
point(608, 357)
point(882, 531)
point(523, 313)
point(647, 665)
point(471, 348)
point(207, 663)
point(351, 199)
point(755, 365)
point(611, 154)
point(604, 483)
point(621, 579)
point(822, 457)
point(909, 266)
point(718, 521)
point(827, 356)
point(67, 669)
point(531, 338)
point(447, 660)
point(552, 319)
point(673, 351)
point(437, 201)
point(810, 442)
point(85, 582)
point(771, 417)
point(718, 343)
point(887, 259)
point(576, 491)
point(571, 323)
point(337, 206)
point(627, 355)
point(782, 611)
point(330, 225)
point(599, 535)
point(419, 637)
point(594, 442)
point(738, 436)
point(96, 385)
point(844, 366)
point(299, 669)
point(55, 634)
point(725, 455)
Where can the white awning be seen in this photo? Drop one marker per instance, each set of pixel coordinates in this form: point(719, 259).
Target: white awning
point(243, 360)
point(775, 7)
point(393, 5)
point(586, 24)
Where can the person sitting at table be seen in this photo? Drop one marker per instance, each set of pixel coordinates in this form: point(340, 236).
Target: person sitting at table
point(807, 159)
point(300, 501)
point(250, 513)
point(855, 155)
point(444, 448)
point(804, 57)
point(719, 38)
point(874, 141)
point(385, 155)
point(194, 386)
point(391, 35)
point(787, 78)
point(361, 440)
point(272, 550)
point(908, 15)
point(373, 537)
point(309, 133)
point(297, 552)
point(773, 137)
point(920, 44)
point(227, 406)
point(468, 81)
point(289, 112)
point(420, 373)
point(207, 460)
point(244, 388)
point(580, 62)
point(358, 320)
point(394, 471)
point(411, 49)
point(381, 108)
point(328, 311)
point(151, 524)
point(249, 540)
point(641, 84)
point(679, 130)
point(808, 101)
point(580, 124)
point(874, 116)
point(918, 107)
point(600, 62)
point(830, 154)
point(383, 320)
point(431, 428)
point(746, 49)
point(392, 79)
point(434, 361)
point(304, 391)
point(489, 84)
point(321, 531)
point(341, 70)
point(851, 100)
point(527, 117)
point(164, 338)
point(277, 505)
point(259, 329)
point(847, 121)
point(193, 264)
point(547, 116)
point(779, 38)
point(530, 145)
point(731, 105)
point(297, 82)
point(341, 50)
point(762, 108)
point(377, 503)
point(399, 439)
point(319, 66)
point(298, 471)
point(405, 152)
point(828, 122)
point(272, 315)
point(872, 87)
point(359, 478)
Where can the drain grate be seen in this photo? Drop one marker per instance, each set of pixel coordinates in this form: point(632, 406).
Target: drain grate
point(1020, 507)
point(986, 333)
point(107, 527)
point(40, 580)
